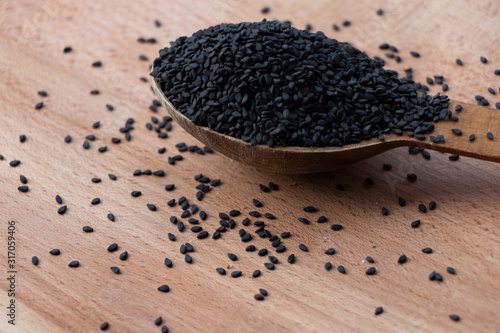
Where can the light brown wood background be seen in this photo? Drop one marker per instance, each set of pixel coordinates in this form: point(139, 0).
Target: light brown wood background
point(463, 230)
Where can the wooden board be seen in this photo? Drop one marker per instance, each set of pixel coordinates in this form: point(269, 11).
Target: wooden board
point(51, 297)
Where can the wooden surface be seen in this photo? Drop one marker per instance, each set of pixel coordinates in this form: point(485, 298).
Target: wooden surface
point(303, 160)
point(304, 297)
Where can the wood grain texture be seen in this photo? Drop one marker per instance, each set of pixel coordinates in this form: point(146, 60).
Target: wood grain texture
point(463, 230)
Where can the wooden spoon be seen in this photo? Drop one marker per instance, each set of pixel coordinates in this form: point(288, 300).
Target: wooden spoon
point(300, 160)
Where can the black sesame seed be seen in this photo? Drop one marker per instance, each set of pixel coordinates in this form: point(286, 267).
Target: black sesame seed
point(291, 258)
point(385, 211)
point(111, 176)
point(67, 139)
point(387, 167)
point(269, 266)
point(472, 137)
point(86, 145)
point(158, 321)
point(262, 252)
point(459, 62)
point(256, 273)
point(62, 209)
point(164, 288)
point(370, 260)
point(102, 149)
point(371, 271)
point(74, 264)
point(415, 224)
point(14, 163)
point(96, 180)
point(23, 188)
point(124, 255)
point(88, 229)
point(450, 270)
point(432, 205)
point(341, 269)
point(422, 208)
point(328, 266)
point(39, 105)
point(111, 217)
point(415, 54)
point(95, 201)
point(427, 250)
point(188, 259)
point(401, 202)
point(456, 131)
point(232, 256)
point(402, 259)
point(104, 326)
point(336, 227)
point(483, 60)
point(411, 177)
point(168, 262)
point(250, 248)
point(380, 12)
point(489, 135)
point(303, 248)
point(115, 270)
point(34, 260)
point(256, 203)
point(379, 310)
point(151, 207)
point(330, 251)
point(55, 252)
point(221, 271)
point(263, 188)
point(310, 209)
point(369, 181)
point(164, 329)
point(454, 317)
point(113, 247)
point(236, 274)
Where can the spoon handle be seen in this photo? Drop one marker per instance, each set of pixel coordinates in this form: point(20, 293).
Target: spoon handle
point(473, 119)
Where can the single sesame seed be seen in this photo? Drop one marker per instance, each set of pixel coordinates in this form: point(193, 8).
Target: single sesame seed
point(427, 250)
point(74, 264)
point(402, 259)
point(371, 271)
point(236, 274)
point(164, 288)
point(415, 224)
point(88, 229)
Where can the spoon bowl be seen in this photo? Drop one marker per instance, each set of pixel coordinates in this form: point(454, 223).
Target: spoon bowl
point(302, 160)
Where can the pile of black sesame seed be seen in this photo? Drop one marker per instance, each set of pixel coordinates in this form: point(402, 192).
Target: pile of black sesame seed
point(269, 83)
